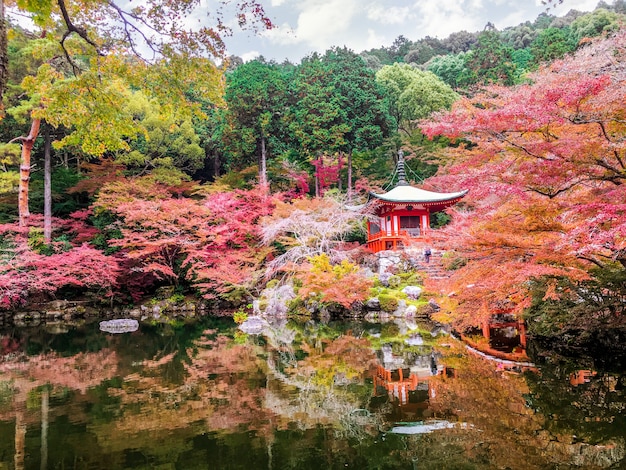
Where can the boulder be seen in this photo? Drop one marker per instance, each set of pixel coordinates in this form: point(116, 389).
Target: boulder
point(253, 325)
point(372, 304)
point(410, 311)
point(412, 292)
point(415, 340)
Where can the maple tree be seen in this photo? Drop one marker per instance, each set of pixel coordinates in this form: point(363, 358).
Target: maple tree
point(545, 164)
point(342, 283)
point(91, 52)
point(308, 227)
point(210, 241)
point(80, 268)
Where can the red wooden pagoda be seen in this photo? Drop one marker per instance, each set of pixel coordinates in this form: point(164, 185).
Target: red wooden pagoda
point(403, 213)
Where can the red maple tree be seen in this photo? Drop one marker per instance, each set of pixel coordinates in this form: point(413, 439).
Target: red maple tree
point(545, 163)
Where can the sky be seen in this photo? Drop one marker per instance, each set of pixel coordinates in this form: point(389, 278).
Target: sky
point(307, 26)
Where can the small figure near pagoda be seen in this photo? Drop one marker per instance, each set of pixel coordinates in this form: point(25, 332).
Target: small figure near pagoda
point(403, 213)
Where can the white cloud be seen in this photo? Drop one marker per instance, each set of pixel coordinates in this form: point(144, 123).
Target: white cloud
point(581, 5)
point(374, 40)
point(392, 15)
point(282, 35)
point(316, 25)
point(322, 21)
point(250, 55)
point(444, 17)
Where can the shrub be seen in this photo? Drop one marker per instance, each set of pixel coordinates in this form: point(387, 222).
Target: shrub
point(341, 283)
point(388, 303)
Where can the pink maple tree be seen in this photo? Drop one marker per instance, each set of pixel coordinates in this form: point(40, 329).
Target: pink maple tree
point(545, 163)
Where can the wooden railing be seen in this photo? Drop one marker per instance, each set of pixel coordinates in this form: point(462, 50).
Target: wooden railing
point(391, 241)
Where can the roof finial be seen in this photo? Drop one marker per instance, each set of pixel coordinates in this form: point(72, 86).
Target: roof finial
point(400, 170)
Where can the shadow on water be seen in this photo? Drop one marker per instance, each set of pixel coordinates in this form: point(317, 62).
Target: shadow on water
point(297, 395)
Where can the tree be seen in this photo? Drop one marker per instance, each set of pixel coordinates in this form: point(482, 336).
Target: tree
point(88, 64)
point(600, 21)
point(153, 31)
point(168, 140)
point(551, 44)
point(546, 172)
point(362, 100)
point(209, 241)
point(451, 69)
point(256, 96)
point(491, 60)
point(308, 227)
point(413, 94)
point(461, 41)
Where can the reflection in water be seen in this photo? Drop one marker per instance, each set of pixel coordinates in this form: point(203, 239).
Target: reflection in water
point(298, 396)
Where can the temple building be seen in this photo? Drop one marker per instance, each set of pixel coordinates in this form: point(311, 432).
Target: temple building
point(403, 213)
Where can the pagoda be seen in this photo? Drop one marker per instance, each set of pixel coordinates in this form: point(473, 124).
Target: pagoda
point(403, 213)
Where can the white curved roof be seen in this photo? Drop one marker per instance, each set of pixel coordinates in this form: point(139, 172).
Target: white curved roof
point(406, 193)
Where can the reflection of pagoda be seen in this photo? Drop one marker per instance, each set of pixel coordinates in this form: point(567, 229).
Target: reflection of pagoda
point(407, 387)
point(404, 212)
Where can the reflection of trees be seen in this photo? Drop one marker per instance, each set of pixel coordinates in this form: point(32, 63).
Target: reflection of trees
point(502, 428)
point(328, 382)
point(297, 397)
point(594, 410)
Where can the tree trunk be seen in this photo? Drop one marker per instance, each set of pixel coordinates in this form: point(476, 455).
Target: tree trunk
point(263, 165)
point(350, 176)
point(20, 441)
point(47, 188)
point(4, 55)
point(317, 181)
point(339, 164)
point(216, 165)
point(45, 412)
point(27, 147)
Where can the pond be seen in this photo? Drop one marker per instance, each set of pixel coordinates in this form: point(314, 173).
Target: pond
point(301, 395)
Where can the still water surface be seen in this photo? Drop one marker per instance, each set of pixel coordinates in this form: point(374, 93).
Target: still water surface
point(302, 395)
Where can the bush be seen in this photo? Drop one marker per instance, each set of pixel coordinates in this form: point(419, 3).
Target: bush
point(388, 303)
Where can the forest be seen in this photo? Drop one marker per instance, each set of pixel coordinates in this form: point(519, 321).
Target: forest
point(136, 155)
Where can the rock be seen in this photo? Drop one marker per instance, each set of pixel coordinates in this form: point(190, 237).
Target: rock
point(415, 340)
point(412, 292)
point(119, 325)
point(434, 305)
point(134, 313)
point(410, 311)
point(277, 299)
point(439, 329)
point(371, 317)
point(372, 304)
point(253, 325)
point(384, 279)
point(400, 311)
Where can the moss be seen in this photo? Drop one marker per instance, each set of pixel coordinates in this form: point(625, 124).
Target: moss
point(296, 307)
point(411, 278)
point(388, 303)
point(394, 281)
point(176, 298)
point(272, 284)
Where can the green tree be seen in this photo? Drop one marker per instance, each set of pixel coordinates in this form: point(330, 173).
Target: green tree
point(90, 53)
point(491, 61)
point(451, 69)
point(318, 121)
point(413, 94)
point(256, 98)
point(167, 141)
point(595, 23)
point(551, 44)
